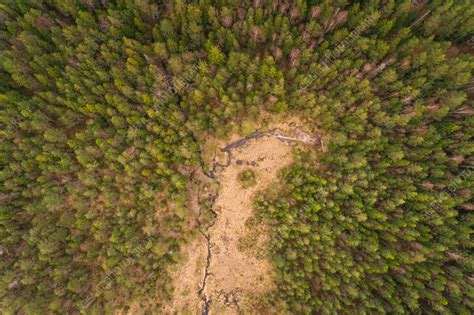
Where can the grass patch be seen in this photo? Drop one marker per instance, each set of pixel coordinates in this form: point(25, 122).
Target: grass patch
point(247, 178)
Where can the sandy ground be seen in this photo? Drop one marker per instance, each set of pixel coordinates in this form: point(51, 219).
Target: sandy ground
point(237, 277)
point(239, 273)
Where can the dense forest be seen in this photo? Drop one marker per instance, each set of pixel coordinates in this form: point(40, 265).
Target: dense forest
point(104, 106)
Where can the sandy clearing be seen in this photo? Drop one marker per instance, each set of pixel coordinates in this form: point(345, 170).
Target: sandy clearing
point(237, 277)
point(237, 273)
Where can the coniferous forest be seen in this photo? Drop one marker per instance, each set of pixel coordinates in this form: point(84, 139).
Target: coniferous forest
point(103, 108)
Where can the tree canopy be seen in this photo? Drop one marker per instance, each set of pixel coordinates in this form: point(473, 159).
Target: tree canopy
point(103, 108)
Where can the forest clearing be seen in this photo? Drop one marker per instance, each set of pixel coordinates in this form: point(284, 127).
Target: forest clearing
point(220, 270)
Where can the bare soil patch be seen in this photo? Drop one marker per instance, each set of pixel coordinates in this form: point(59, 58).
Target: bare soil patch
point(238, 277)
point(220, 273)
